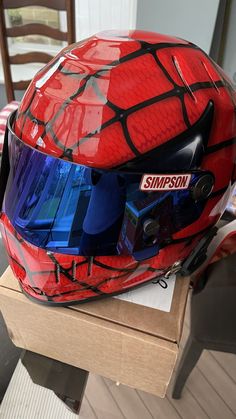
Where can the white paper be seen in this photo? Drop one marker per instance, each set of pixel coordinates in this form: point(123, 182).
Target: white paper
point(153, 295)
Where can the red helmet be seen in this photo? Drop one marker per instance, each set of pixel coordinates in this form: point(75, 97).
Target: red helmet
point(120, 160)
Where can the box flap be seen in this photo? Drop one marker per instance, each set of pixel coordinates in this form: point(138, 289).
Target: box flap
point(165, 325)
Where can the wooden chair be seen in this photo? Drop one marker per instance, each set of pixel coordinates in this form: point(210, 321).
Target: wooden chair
point(31, 29)
point(213, 313)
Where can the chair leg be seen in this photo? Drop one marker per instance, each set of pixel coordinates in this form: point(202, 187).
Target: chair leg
point(190, 356)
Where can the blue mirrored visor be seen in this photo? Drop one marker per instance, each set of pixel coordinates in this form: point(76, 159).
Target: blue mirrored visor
point(73, 209)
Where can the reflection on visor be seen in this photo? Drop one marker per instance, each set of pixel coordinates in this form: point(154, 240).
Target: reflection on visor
point(73, 209)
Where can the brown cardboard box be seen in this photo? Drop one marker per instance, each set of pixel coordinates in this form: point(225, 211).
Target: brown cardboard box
point(126, 342)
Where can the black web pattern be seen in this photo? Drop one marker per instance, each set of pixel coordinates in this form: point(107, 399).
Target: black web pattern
point(121, 115)
point(70, 273)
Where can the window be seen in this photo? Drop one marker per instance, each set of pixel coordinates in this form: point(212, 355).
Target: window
point(24, 44)
point(36, 14)
point(91, 16)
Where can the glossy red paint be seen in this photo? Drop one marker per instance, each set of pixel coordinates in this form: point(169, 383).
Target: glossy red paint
point(94, 90)
point(101, 103)
point(59, 278)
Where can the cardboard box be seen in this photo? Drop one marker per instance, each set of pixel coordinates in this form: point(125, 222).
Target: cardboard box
point(126, 342)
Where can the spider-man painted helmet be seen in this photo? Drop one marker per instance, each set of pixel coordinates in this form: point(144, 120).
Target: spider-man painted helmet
point(118, 162)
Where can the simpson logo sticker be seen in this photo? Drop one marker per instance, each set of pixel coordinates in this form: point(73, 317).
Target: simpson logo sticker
point(165, 182)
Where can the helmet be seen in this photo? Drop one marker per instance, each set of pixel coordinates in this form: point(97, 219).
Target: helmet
point(120, 159)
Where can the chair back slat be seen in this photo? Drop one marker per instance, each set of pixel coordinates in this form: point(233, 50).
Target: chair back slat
point(31, 29)
point(36, 29)
point(30, 57)
point(51, 4)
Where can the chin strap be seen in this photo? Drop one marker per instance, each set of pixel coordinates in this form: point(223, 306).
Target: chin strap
point(199, 255)
point(219, 242)
point(214, 245)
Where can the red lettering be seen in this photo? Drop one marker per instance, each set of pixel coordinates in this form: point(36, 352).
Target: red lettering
point(163, 182)
point(153, 181)
point(184, 180)
point(172, 182)
point(178, 182)
point(148, 182)
point(166, 181)
point(159, 182)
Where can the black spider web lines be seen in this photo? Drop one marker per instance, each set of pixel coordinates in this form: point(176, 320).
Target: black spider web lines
point(179, 93)
point(120, 114)
point(70, 275)
point(171, 93)
point(112, 64)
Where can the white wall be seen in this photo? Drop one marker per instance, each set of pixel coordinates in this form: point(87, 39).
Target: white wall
point(229, 57)
point(193, 20)
point(93, 16)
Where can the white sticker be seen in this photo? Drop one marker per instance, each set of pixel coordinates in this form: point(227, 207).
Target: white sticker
point(170, 182)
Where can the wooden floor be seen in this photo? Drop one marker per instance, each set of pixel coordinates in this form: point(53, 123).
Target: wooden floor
point(210, 392)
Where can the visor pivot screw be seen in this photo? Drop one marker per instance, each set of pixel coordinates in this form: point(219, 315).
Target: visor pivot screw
point(150, 227)
point(203, 187)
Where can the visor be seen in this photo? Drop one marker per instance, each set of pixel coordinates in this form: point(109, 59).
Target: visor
point(69, 208)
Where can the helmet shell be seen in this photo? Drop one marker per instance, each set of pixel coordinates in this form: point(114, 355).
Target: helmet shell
point(102, 103)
